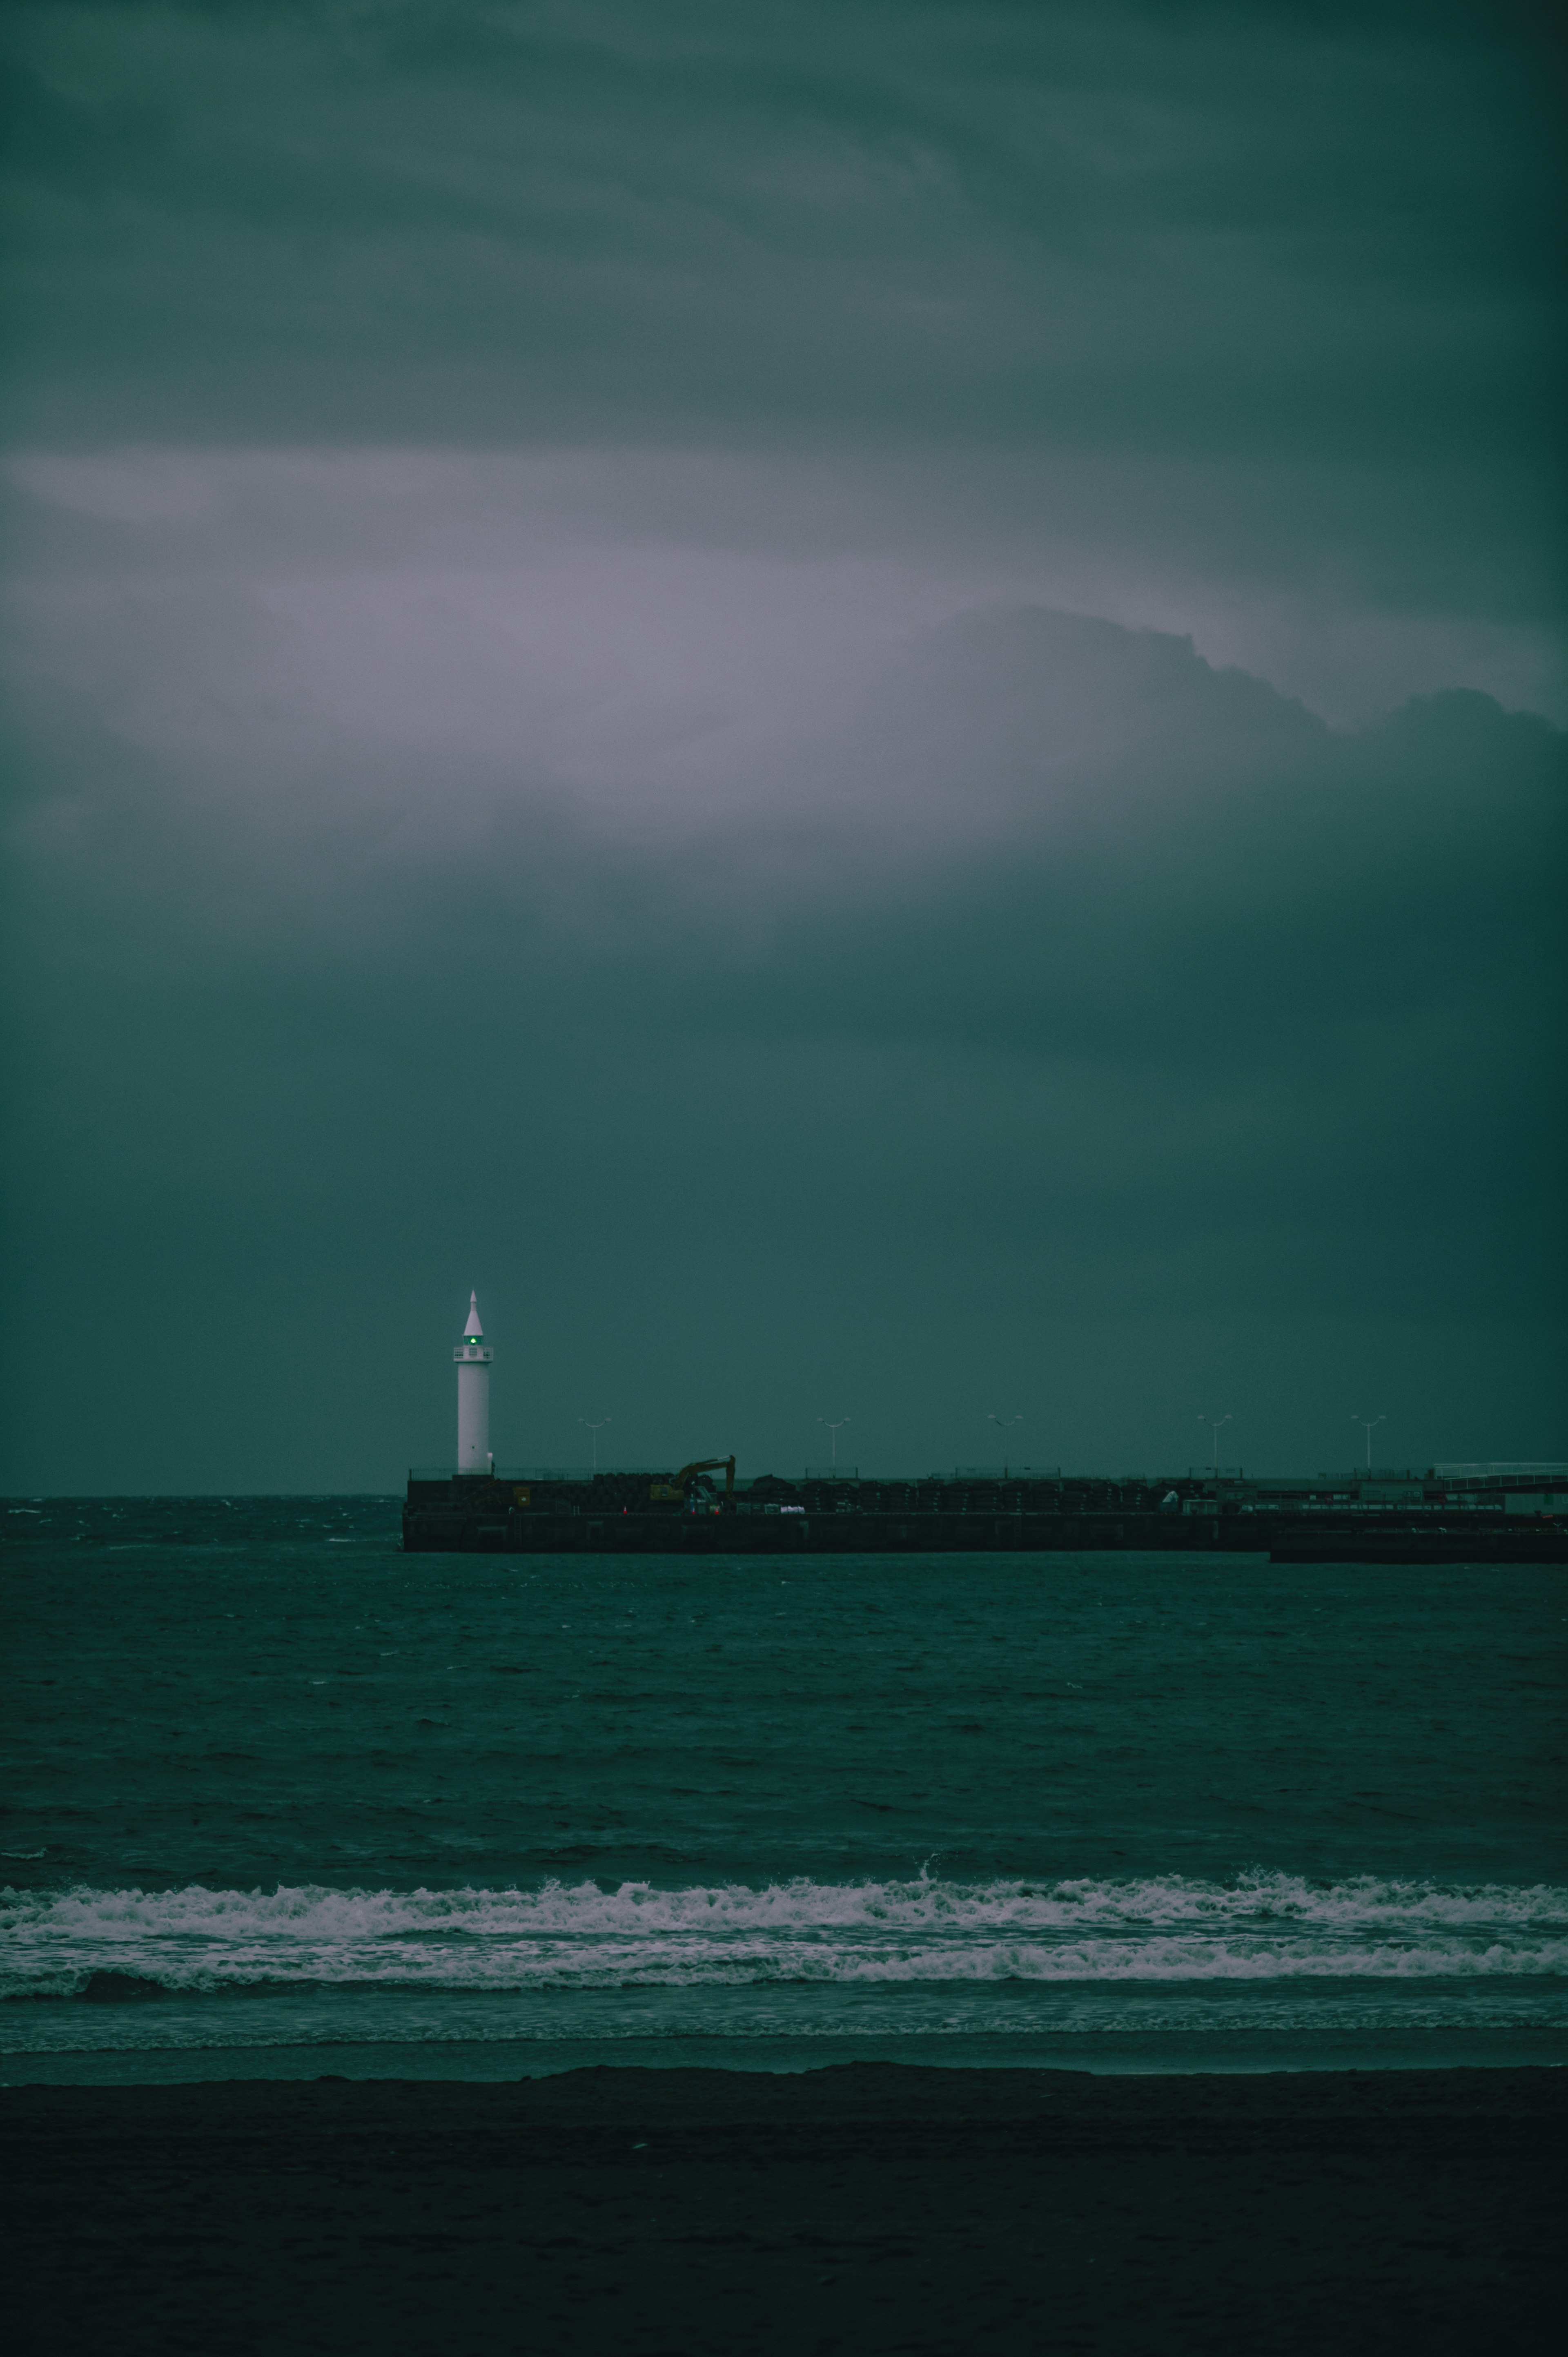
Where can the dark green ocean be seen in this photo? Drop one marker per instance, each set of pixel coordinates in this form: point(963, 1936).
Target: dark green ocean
point(279, 1799)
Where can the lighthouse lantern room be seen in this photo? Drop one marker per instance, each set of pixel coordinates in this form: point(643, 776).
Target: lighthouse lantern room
point(473, 1360)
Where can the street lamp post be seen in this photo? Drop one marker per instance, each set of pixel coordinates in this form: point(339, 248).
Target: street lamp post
point(1369, 1427)
point(833, 1431)
point(596, 1429)
point(1004, 1425)
point(1215, 1424)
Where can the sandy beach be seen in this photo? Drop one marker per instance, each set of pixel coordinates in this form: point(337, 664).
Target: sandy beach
point(869, 2207)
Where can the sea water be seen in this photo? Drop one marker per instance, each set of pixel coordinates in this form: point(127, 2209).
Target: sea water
point(281, 1800)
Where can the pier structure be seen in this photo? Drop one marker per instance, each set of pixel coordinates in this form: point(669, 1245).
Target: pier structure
point(473, 1362)
point(1449, 1514)
point(1408, 1518)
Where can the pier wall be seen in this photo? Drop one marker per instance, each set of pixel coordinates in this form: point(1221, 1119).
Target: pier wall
point(431, 1530)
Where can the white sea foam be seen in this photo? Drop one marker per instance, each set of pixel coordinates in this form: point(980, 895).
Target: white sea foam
point(1172, 1929)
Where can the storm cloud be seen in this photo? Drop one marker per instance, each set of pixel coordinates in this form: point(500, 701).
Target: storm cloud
point(861, 706)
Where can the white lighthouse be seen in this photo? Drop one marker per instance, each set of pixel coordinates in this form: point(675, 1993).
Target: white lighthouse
point(473, 1395)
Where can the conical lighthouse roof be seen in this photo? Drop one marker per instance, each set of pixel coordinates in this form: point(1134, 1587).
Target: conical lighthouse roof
point(473, 1326)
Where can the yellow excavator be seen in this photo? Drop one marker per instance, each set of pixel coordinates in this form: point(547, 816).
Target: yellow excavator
point(674, 1493)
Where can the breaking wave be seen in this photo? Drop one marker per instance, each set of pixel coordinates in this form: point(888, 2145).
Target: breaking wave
point(1258, 1928)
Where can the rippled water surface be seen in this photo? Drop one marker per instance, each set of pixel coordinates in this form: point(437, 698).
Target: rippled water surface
point(271, 1785)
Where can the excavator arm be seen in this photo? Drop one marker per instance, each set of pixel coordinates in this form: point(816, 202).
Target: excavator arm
point(667, 1491)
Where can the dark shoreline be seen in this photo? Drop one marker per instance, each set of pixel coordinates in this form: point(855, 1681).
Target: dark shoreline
point(875, 2206)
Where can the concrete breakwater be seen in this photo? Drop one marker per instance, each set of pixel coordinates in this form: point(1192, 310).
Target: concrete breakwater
point(447, 1529)
point(832, 1534)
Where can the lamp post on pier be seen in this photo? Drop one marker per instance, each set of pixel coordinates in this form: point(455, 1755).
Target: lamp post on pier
point(596, 1429)
point(1369, 1426)
point(1004, 1425)
point(1215, 1425)
point(833, 1431)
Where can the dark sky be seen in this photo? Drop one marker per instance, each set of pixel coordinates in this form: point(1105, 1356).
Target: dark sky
point(861, 702)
